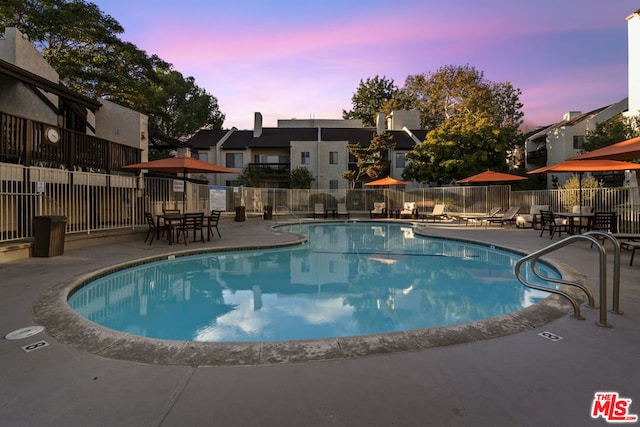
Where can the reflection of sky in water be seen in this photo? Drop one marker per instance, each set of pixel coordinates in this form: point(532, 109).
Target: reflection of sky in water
point(350, 279)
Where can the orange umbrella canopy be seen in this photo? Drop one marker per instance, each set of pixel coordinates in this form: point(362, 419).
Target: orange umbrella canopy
point(599, 165)
point(625, 150)
point(491, 176)
point(180, 164)
point(386, 181)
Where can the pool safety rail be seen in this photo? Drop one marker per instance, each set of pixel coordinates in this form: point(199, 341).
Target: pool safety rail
point(290, 213)
point(593, 237)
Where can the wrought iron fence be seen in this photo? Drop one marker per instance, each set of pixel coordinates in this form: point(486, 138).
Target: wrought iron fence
point(95, 202)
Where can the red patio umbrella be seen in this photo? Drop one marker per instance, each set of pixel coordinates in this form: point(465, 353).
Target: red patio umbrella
point(180, 164)
point(579, 166)
point(625, 150)
point(491, 176)
point(386, 181)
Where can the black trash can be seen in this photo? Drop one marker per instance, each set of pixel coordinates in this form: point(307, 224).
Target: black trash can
point(48, 235)
point(268, 212)
point(241, 213)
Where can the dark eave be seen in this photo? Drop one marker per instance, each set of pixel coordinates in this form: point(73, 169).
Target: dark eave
point(32, 79)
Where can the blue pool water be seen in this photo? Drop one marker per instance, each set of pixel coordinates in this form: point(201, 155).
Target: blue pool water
point(349, 279)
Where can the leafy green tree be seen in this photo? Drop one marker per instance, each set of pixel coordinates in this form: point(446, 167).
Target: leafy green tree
point(371, 161)
point(81, 43)
point(460, 147)
point(616, 129)
point(473, 124)
point(370, 98)
point(301, 177)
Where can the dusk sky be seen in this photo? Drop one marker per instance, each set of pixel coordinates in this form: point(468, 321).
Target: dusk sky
point(305, 59)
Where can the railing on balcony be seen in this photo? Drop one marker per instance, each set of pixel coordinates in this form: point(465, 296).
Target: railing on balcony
point(22, 142)
point(271, 170)
point(538, 157)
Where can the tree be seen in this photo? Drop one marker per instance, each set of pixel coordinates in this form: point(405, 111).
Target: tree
point(616, 129)
point(371, 161)
point(301, 177)
point(460, 147)
point(473, 124)
point(81, 43)
point(249, 177)
point(370, 98)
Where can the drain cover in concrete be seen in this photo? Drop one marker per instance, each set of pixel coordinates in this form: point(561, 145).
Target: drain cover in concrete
point(22, 333)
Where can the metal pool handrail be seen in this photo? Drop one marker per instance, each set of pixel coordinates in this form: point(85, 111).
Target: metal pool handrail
point(533, 257)
point(290, 213)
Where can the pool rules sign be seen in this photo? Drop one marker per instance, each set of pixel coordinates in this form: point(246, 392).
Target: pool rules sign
point(217, 198)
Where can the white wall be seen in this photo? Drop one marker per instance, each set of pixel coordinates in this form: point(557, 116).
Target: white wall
point(123, 125)
point(633, 34)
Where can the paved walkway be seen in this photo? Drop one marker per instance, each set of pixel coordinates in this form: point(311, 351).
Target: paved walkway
point(521, 379)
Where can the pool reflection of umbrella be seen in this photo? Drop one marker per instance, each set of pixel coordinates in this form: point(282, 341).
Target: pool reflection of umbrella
point(581, 166)
point(180, 164)
point(625, 150)
point(490, 176)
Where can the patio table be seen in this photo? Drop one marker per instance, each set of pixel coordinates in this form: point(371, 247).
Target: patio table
point(571, 216)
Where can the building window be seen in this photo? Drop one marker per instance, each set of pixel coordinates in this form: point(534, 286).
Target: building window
point(333, 184)
point(401, 160)
point(234, 160)
point(333, 157)
point(578, 141)
point(305, 158)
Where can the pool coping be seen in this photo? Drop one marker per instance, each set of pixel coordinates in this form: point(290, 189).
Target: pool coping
point(68, 327)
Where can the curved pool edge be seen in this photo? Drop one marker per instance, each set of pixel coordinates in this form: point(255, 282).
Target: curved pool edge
point(52, 311)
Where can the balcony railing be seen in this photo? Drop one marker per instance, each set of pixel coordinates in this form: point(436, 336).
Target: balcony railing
point(271, 170)
point(22, 141)
point(538, 157)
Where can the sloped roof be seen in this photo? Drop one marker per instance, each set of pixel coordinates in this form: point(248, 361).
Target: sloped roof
point(282, 137)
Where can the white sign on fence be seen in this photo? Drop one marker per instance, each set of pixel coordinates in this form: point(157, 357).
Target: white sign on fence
point(217, 198)
point(178, 186)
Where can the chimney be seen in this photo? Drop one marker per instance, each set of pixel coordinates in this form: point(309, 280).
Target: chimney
point(257, 125)
point(570, 115)
point(380, 124)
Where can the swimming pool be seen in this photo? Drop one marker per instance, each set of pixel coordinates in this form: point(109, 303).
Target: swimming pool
point(349, 279)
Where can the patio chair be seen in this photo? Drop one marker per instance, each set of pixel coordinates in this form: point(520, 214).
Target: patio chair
point(437, 213)
point(509, 216)
point(212, 222)
point(379, 210)
point(533, 218)
point(553, 224)
point(318, 210)
point(409, 210)
point(191, 222)
point(154, 229)
point(342, 210)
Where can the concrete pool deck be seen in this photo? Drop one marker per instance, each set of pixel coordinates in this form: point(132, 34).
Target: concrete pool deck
point(517, 379)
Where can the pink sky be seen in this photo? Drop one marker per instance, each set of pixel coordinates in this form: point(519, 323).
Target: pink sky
point(291, 59)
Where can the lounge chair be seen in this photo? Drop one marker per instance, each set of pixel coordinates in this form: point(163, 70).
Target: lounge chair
point(342, 210)
point(409, 210)
point(437, 213)
point(478, 218)
point(553, 224)
point(379, 210)
point(318, 210)
point(509, 216)
point(533, 218)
